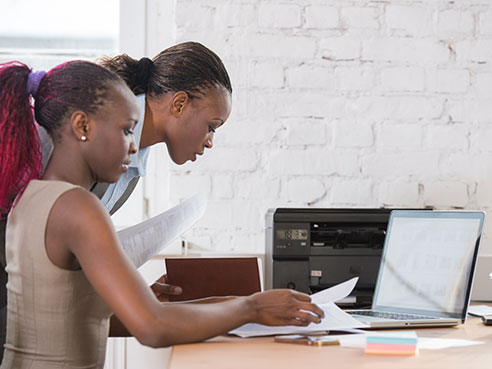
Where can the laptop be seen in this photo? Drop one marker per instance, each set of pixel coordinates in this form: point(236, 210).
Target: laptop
point(482, 285)
point(426, 270)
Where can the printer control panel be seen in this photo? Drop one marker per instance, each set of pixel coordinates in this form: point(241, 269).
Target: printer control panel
point(291, 239)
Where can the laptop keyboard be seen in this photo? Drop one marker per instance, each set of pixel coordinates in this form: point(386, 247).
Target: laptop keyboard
point(386, 315)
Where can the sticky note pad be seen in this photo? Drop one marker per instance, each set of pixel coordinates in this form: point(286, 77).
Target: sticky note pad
point(387, 344)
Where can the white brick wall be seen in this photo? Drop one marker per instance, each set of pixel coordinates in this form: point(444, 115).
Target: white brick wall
point(356, 103)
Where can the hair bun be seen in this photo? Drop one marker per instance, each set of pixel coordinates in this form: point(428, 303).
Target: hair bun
point(144, 69)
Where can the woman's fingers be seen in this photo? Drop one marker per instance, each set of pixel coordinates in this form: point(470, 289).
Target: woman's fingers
point(315, 309)
point(301, 296)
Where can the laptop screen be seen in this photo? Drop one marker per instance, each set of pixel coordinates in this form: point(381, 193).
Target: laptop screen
point(428, 262)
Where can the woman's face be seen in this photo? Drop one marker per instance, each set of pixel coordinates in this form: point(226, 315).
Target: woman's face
point(110, 141)
point(193, 129)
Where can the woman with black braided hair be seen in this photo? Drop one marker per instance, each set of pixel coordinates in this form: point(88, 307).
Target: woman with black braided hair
point(184, 95)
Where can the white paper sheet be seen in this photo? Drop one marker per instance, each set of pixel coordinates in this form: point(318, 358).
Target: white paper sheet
point(335, 318)
point(144, 240)
point(480, 310)
point(335, 293)
point(423, 343)
point(441, 343)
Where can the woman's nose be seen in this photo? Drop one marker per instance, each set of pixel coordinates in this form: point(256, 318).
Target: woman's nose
point(133, 147)
point(209, 143)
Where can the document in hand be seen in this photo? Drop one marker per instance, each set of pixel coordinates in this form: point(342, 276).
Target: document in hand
point(335, 318)
point(142, 241)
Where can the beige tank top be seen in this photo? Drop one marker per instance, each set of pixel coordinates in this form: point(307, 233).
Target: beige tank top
point(55, 318)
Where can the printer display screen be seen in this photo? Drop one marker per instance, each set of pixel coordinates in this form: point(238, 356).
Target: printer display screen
point(292, 234)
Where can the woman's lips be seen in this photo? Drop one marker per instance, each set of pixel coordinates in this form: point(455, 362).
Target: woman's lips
point(124, 166)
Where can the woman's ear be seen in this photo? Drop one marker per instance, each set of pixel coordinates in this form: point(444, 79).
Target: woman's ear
point(81, 126)
point(179, 102)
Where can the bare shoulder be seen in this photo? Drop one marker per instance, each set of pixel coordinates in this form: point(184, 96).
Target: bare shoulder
point(80, 202)
point(79, 216)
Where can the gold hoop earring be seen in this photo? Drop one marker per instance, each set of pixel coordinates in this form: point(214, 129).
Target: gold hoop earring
point(83, 138)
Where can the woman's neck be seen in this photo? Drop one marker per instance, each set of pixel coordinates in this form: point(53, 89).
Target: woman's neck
point(68, 168)
point(152, 130)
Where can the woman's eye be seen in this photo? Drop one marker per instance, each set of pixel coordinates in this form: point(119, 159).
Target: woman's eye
point(128, 131)
point(210, 129)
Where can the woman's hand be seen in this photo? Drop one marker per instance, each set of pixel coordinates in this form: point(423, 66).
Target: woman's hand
point(162, 290)
point(285, 307)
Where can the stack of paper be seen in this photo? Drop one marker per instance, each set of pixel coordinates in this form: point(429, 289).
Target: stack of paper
point(335, 318)
point(392, 344)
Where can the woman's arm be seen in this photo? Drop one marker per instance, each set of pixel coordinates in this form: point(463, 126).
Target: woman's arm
point(84, 228)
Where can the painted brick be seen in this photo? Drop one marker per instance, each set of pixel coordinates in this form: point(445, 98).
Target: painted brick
point(479, 50)
point(411, 20)
point(470, 167)
point(352, 192)
point(358, 78)
point(193, 16)
point(223, 186)
point(399, 193)
point(321, 17)
point(455, 22)
point(416, 72)
point(348, 134)
point(453, 137)
point(303, 190)
point(266, 75)
point(470, 110)
point(403, 79)
point(356, 17)
point(307, 132)
point(307, 76)
point(234, 15)
point(346, 162)
point(482, 85)
point(401, 164)
point(301, 162)
point(248, 243)
point(481, 138)
point(223, 159)
point(446, 194)
point(450, 81)
point(217, 215)
point(247, 214)
point(183, 186)
point(340, 48)
point(400, 135)
point(252, 131)
point(279, 15)
point(484, 195)
point(257, 187)
point(223, 241)
point(240, 72)
point(406, 50)
point(409, 108)
point(309, 104)
point(274, 46)
point(485, 23)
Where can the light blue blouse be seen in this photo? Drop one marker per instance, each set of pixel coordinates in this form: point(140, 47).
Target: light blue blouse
point(137, 167)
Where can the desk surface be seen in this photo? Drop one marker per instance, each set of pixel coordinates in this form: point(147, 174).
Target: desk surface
point(257, 353)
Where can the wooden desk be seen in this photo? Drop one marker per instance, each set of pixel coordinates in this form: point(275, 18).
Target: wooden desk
point(259, 353)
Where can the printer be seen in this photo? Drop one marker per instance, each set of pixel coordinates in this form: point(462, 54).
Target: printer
point(309, 249)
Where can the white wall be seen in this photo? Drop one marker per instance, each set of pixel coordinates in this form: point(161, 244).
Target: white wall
point(349, 103)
